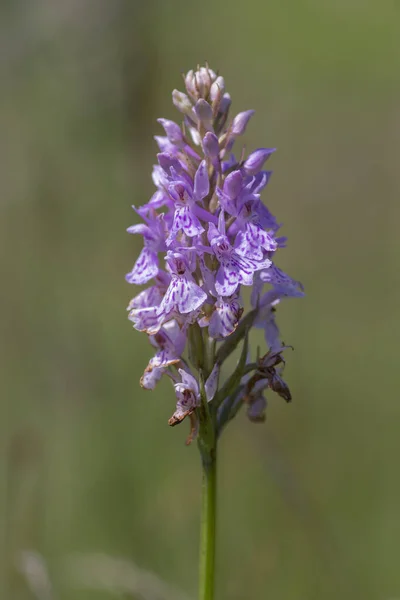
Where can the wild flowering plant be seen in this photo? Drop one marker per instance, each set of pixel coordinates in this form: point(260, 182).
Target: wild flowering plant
point(207, 234)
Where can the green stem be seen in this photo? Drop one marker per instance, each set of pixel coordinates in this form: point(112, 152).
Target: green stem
point(207, 528)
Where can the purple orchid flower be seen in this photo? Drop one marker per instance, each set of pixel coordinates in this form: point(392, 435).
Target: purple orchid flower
point(234, 269)
point(188, 394)
point(146, 266)
point(225, 317)
point(206, 234)
point(170, 342)
point(239, 199)
point(282, 281)
point(186, 195)
point(183, 294)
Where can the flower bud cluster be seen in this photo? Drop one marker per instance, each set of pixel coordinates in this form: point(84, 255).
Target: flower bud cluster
point(207, 234)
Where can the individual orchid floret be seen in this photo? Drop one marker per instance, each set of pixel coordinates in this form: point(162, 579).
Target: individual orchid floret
point(238, 127)
point(185, 195)
point(211, 147)
point(252, 240)
point(183, 294)
point(146, 266)
point(188, 394)
point(276, 277)
point(240, 122)
point(255, 161)
point(217, 89)
point(173, 131)
point(143, 307)
point(234, 269)
point(224, 105)
point(204, 114)
point(152, 295)
point(182, 102)
point(170, 342)
point(230, 192)
point(146, 319)
point(221, 106)
point(150, 378)
point(225, 317)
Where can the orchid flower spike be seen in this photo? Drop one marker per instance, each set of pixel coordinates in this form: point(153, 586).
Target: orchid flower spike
point(206, 236)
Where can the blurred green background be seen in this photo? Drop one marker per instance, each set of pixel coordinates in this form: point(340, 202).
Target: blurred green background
point(309, 503)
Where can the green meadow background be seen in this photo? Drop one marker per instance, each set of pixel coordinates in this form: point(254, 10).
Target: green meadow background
point(99, 498)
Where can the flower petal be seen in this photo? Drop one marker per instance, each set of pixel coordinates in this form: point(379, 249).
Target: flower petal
point(182, 295)
point(152, 296)
point(146, 267)
point(184, 220)
point(190, 296)
point(240, 122)
point(149, 379)
point(189, 382)
point(254, 162)
point(253, 240)
point(225, 318)
point(276, 277)
point(227, 279)
point(146, 319)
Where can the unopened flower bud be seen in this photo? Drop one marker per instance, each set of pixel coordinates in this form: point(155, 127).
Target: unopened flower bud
point(198, 84)
point(225, 103)
point(182, 102)
point(190, 84)
point(240, 122)
point(254, 163)
point(204, 114)
point(173, 131)
point(217, 88)
point(166, 161)
point(211, 145)
point(233, 184)
point(221, 107)
point(204, 79)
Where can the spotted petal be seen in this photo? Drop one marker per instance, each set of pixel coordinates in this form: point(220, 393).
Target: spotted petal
point(287, 285)
point(188, 382)
point(151, 296)
point(146, 319)
point(184, 220)
point(253, 240)
point(235, 270)
point(182, 295)
point(225, 318)
point(146, 267)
